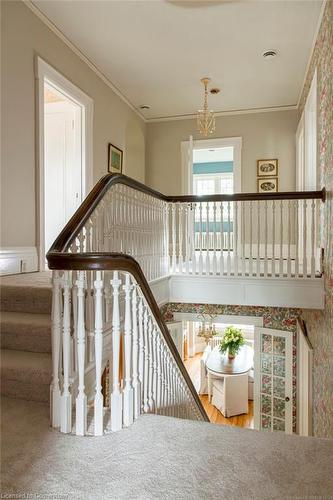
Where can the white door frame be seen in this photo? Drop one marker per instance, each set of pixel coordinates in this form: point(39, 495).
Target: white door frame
point(304, 382)
point(187, 173)
point(47, 74)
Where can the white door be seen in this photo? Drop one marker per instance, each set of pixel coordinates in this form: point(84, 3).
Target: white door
point(273, 398)
point(63, 166)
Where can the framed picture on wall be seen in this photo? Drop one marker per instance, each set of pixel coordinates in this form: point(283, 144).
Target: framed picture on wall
point(115, 160)
point(267, 168)
point(268, 185)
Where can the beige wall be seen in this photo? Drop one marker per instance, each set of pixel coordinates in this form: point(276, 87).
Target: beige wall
point(265, 135)
point(23, 36)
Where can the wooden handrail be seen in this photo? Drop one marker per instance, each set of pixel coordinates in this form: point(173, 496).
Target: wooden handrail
point(120, 262)
point(74, 225)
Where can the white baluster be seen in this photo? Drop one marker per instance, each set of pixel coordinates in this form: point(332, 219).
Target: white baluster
point(258, 238)
point(66, 397)
point(187, 238)
point(243, 238)
point(273, 238)
point(81, 400)
point(174, 255)
point(214, 241)
point(207, 240)
point(281, 240)
point(155, 376)
point(305, 265)
point(222, 240)
point(116, 397)
point(128, 389)
point(141, 380)
point(180, 238)
point(150, 366)
point(136, 382)
point(229, 241)
point(159, 372)
point(265, 238)
point(200, 240)
point(98, 401)
point(289, 239)
point(193, 212)
point(297, 239)
point(146, 364)
point(251, 240)
point(56, 335)
point(235, 253)
point(313, 239)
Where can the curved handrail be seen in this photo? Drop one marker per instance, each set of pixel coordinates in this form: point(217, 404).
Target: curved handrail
point(78, 220)
point(120, 262)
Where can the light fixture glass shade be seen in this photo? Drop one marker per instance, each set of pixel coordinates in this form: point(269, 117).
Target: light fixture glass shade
point(205, 117)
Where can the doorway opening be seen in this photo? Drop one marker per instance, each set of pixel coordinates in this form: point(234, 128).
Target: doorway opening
point(65, 153)
point(256, 389)
point(63, 172)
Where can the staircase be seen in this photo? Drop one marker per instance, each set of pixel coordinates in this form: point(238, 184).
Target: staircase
point(25, 322)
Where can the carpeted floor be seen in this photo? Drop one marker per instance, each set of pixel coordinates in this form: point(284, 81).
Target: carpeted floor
point(159, 458)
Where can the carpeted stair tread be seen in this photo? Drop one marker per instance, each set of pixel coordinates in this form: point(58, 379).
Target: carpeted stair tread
point(26, 366)
point(26, 375)
point(26, 299)
point(26, 331)
point(30, 292)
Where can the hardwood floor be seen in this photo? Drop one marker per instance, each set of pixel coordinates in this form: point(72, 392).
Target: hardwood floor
point(215, 416)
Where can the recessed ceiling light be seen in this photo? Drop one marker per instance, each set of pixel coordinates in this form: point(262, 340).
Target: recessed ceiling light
point(269, 54)
point(144, 106)
point(215, 90)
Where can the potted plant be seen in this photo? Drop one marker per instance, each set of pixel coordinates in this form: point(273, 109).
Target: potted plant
point(232, 341)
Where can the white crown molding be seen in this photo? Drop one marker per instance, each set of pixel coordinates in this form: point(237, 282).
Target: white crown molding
point(289, 107)
point(81, 55)
point(322, 10)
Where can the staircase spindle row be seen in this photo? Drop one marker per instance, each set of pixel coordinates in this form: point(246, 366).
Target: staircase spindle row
point(144, 377)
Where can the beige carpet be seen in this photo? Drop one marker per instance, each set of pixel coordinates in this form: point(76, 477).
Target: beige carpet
point(159, 458)
point(25, 324)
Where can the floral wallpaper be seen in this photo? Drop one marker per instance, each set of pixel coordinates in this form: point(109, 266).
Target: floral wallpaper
point(279, 318)
point(320, 323)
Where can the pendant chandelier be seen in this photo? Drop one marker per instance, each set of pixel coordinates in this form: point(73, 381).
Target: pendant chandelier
point(205, 118)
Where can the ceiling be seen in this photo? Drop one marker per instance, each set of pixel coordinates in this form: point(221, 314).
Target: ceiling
point(155, 52)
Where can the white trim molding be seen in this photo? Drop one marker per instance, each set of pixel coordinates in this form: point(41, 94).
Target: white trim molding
point(80, 54)
point(267, 292)
point(232, 112)
point(222, 142)
point(45, 73)
point(17, 260)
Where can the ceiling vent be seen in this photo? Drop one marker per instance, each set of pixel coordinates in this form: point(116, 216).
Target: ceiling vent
point(269, 54)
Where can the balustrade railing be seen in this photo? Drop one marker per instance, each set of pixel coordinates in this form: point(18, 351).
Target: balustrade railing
point(255, 238)
point(125, 235)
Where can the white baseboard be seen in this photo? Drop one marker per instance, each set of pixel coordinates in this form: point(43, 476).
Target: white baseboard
point(16, 260)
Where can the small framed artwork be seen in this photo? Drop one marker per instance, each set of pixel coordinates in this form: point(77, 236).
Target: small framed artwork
point(267, 168)
point(115, 160)
point(268, 185)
